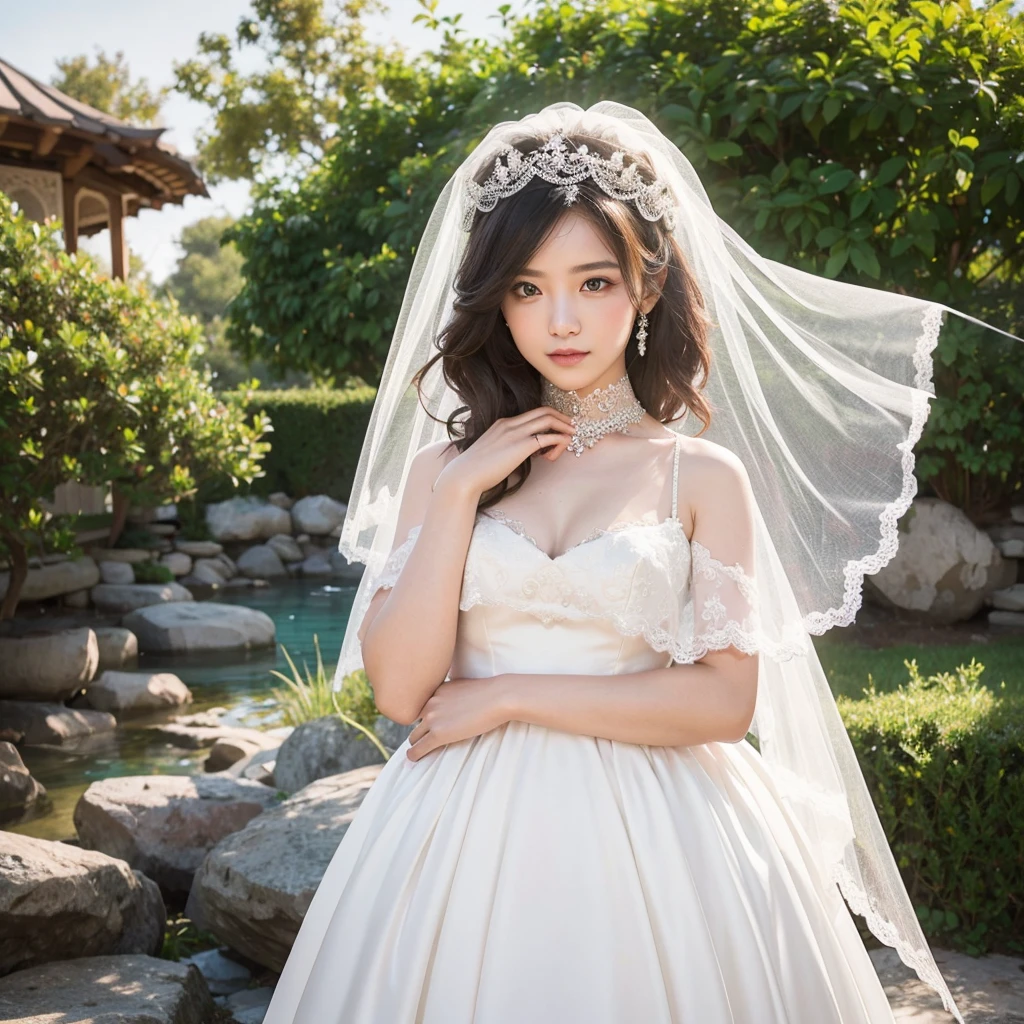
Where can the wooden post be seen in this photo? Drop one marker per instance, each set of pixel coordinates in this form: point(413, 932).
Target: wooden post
point(118, 241)
point(70, 216)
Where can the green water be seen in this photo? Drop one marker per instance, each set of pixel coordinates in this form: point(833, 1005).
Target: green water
point(239, 681)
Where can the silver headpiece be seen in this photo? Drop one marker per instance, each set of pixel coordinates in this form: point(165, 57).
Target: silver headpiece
point(555, 163)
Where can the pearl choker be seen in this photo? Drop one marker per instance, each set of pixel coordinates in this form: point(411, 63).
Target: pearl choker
point(604, 410)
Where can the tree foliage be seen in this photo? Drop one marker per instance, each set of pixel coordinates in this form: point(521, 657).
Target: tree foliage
point(107, 85)
point(877, 141)
point(97, 385)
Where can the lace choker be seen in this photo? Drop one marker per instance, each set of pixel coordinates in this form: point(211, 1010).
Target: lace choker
point(603, 411)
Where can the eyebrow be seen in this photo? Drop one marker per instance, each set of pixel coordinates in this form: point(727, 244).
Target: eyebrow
point(599, 265)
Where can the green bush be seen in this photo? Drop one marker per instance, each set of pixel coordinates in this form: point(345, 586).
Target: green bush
point(318, 434)
point(943, 757)
point(152, 572)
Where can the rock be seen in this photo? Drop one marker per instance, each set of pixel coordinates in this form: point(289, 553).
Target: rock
point(317, 515)
point(391, 733)
point(318, 564)
point(223, 974)
point(325, 746)
point(246, 518)
point(118, 647)
point(255, 886)
point(130, 556)
point(286, 548)
point(19, 792)
point(76, 599)
point(198, 548)
point(281, 500)
point(258, 766)
point(191, 737)
point(178, 562)
point(208, 572)
point(117, 572)
point(344, 569)
point(49, 667)
point(164, 825)
point(236, 746)
point(1002, 618)
point(244, 583)
point(226, 561)
point(53, 723)
point(127, 597)
point(945, 566)
point(58, 901)
point(136, 693)
point(108, 990)
point(250, 1005)
point(1010, 599)
point(200, 626)
point(62, 577)
point(260, 561)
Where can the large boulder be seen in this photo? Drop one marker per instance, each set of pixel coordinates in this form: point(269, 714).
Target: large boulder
point(246, 518)
point(108, 990)
point(40, 722)
point(164, 825)
point(317, 515)
point(19, 792)
point(261, 561)
point(945, 566)
point(254, 887)
point(116, 572)
point(48, 667)
point(322, 747)
point(136, 693)
point(127, 597)
point(200, 626)
point(58, 901)
point(62, 577)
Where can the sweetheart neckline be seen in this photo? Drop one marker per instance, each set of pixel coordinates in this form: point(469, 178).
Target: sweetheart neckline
point(591, 538)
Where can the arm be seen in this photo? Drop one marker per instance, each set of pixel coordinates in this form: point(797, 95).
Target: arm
point(423, 606)
point(711, 699)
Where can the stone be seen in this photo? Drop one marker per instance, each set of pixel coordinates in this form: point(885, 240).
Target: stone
point(322, 747)
point(130, 556)
point(260, 562)
point(19, 792)
point(198, 548)
point(127, 597)
point(223, 974)
point(76, 599)
point(249, 1006)
point(41, 722)
point(164, 825)
point(246, 518)
point(317, 564)
point(116, 572)
point(286, 548)
point(391, 733)
point(200, 626)
point(236, 746)
point(52, 666)
point(207, 572)
point(945, 566)
point(281, 500)
point(1010, 599)
point(1014, 620)
point(254, 887)
point(62, 577)
point(118, 647)
point(108, 990)
point(317, 515)
point(58, 901)
point(178, 562)
point(342, 568)
point(136, 693)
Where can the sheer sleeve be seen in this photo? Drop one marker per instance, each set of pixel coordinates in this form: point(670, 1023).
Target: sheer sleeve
point(396, 561)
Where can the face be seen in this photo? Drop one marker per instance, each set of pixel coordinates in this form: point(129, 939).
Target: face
point(573, 296)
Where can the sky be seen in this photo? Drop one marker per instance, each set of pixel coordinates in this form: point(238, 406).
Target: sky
point(34, 35)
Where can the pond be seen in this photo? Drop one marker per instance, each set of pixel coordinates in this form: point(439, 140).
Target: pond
point(238, 681)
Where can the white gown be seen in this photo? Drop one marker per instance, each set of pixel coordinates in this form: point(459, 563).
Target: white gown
point(533, 876)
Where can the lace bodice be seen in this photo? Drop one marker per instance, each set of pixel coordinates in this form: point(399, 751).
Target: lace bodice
point(644, 577)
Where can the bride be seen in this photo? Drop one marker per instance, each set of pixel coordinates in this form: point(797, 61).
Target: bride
point(627, 795)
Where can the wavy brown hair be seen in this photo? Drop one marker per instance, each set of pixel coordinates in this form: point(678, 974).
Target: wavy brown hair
point(479, 358)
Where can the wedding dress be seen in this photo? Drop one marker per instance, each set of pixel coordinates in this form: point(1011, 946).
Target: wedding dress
point(533, 876)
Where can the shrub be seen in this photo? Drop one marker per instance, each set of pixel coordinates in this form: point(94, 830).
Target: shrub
point(943, 757)
point(152, 572)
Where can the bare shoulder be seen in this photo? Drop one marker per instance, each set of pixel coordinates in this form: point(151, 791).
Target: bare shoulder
point(432, 458)
point(710, 476)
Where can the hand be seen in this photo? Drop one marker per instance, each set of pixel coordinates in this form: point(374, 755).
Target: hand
point(457, 710)
point(506, 444)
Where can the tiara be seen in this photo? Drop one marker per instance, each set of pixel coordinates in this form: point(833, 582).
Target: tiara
point(553, 162)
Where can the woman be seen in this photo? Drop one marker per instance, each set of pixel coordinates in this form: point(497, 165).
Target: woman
point(584, 610)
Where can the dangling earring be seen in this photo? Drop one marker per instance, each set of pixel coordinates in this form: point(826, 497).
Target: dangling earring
point(641, 335)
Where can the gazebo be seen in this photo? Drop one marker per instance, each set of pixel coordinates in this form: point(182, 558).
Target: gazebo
point(60, 157)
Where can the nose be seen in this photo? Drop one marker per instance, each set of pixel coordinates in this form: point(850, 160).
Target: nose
point(564, 321)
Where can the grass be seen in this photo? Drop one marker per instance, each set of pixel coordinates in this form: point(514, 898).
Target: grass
point(849, 667)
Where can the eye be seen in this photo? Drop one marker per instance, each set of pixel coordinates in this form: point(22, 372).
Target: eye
point(603, 279)
point(523, 284)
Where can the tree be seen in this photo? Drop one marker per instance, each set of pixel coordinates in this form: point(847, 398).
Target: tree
point(209, 273)
point(107, 86)
point(97, 385)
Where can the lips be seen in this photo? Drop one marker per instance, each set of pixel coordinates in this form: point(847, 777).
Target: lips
point(568, 352)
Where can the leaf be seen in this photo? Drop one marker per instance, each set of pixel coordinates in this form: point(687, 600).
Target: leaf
point(722, 150)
